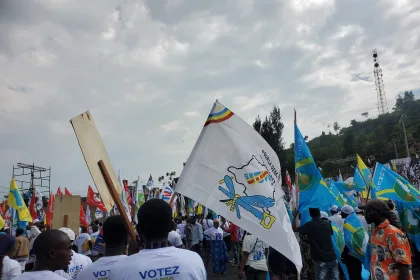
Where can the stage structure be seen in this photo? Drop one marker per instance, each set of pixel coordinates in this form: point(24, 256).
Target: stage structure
point(29, 176)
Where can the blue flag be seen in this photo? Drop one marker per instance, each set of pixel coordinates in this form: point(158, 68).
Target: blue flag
point(314, 192)
point(390, 185)
point(355, 237)
point(338, 245)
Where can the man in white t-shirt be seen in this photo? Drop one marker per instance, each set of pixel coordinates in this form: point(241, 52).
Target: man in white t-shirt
point(52, 252)
point(93, 253)
point(115, 235)
point(336, 217)
point(253, 263)
point(207, 224)
point(158, 259)
point(78, 261)
point(84, 242)
point(174, 238)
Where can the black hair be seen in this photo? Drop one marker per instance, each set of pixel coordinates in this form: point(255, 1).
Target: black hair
point(114, 231)
point(314, 212)
point(96, 222)
point(84, 229)
point(47, 240)
point(209, 216)
point(155, 219)
point(19, 232)
point(390, 204)
point(95, 228)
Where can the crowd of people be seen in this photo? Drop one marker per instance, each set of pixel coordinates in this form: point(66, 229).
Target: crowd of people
point(390, 249)
point(166, 249)
point(186, 247)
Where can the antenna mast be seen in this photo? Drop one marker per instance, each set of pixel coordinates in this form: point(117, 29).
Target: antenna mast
point(379, 85)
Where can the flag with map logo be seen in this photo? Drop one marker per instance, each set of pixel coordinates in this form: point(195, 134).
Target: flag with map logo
point(234, 171)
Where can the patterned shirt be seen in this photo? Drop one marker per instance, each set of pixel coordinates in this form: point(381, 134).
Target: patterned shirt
point(389, 247)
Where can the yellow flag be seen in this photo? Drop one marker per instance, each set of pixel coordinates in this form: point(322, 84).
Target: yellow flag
point(15, 201)
point(2, 223)
point(199, 209)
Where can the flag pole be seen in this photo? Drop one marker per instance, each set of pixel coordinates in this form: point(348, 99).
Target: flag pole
point(296, 174)
point(116, 198)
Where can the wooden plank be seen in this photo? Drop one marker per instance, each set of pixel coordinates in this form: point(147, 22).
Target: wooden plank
point(67, 212)
point(93, 150)
point(116, 198)
point(66, 220)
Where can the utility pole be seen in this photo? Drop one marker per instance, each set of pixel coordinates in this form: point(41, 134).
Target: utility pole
point(396, 152)
point(405, 136)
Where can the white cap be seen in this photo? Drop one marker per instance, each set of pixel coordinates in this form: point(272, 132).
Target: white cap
point(347, 209)
point(333, 208)
point(358, 210)
point(69, 232)
point(324, 214)
point(35, 221)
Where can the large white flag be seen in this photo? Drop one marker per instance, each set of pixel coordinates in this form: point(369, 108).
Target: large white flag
point(234, 171)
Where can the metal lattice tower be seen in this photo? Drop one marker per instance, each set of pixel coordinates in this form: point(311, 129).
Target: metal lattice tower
point(379, 85)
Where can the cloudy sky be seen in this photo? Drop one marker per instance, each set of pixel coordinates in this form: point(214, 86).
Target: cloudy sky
point(149, 72)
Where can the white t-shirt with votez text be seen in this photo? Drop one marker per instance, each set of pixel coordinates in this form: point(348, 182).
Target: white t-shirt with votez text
point(256, 249)
point(39, 275)
point(163, 263)
point(100, 268)
point(77, 263)
point(214, 233)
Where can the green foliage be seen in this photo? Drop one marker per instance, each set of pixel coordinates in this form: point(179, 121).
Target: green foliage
point(373, 137)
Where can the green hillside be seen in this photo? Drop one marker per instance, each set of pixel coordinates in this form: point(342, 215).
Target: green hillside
point(373, 138)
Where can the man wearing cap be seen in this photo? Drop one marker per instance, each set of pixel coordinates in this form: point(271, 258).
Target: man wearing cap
point(335, 217)
point(354, 265)
point(391, 254)
point(78, 261)
point(361, 217)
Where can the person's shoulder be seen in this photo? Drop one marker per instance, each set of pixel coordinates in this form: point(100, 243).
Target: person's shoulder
point(190, 257)
point(182, 253)
point(127, 262)
point(14, 263)
point(392, 230)
point(82, 258)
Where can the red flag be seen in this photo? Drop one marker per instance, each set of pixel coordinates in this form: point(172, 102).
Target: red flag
point(127, 192)
point(3, 208)
point(66, 192)
point(59, 191)
point(50, 210)
point(83, 217)
point(93, 200)
point(288, 180)
point(32, 207)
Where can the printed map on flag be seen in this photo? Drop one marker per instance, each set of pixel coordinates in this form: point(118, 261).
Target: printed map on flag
point(234, 171)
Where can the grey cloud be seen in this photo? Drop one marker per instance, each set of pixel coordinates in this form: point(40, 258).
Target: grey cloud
point(143, 65)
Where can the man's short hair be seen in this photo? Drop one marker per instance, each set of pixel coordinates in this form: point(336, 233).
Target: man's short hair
point(114, 231)
point(47, 240)
point(155, 219)
point(19, 231)
point(314, 212)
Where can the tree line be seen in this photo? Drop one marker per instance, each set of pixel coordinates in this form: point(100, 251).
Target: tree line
point(374, 139)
